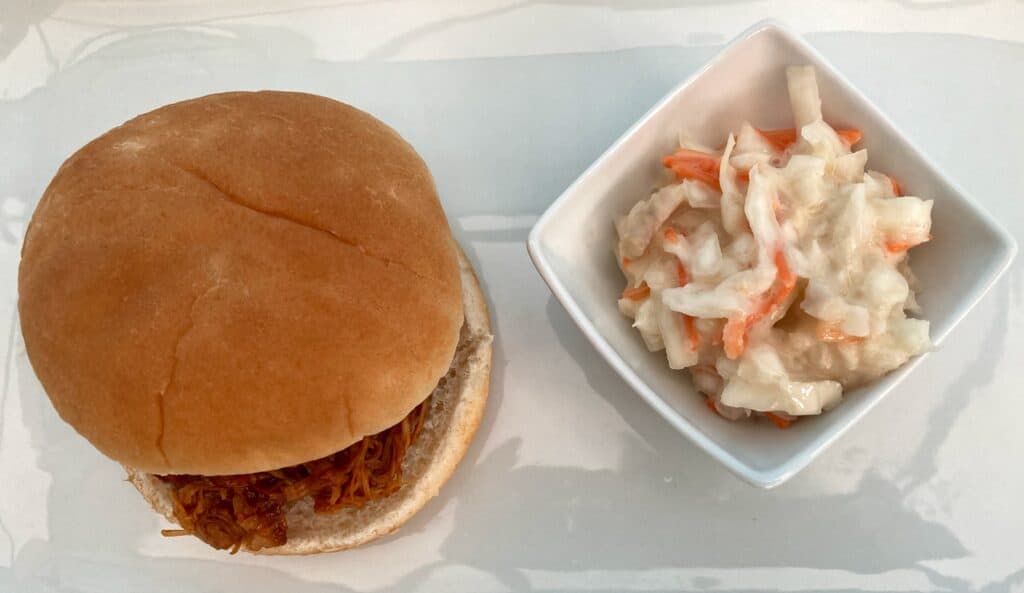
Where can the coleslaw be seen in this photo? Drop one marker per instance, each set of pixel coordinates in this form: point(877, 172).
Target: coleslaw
point(775, 269)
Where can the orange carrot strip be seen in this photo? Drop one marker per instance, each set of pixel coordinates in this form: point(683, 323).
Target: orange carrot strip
point(693, 156)
point(785, 275)
point(638, 293)
point(693, 336)
point(743, 175)
point(735, 332)
point(850, 137)
point(779, 421)
point(693, 164)
point(896, 189)
point(684, 171)
point(734, 336)
point(779, 139)
point(671, 235)
point(901, 246)
point(689, 171)
point(626, 261)
point(833, 333)
point(681, 275)
point(784, 283)
point(898, 246)
point(782, 139)
point(710, 403)
point(691, 332)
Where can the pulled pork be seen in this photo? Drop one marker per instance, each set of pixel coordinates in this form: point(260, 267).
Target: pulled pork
point(249, 509)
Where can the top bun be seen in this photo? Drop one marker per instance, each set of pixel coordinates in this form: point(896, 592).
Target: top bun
point(238, 283)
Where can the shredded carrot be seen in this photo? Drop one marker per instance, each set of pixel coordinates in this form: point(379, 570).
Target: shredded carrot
point(785, 276)
point(901, 246)
point(681, 275)
point(779, 139)
point(833, 333)
point(734, 334)
point(696, 165)
point(785, 280)
point(710, 403)
point(692, 335)
point(638, 293)
point(779, 421)
point(689, 154)
point(898, 246)
point(896, 189)
point(691, 331)
point(626, 261)
point(743, 175)
point(782, 139)
point(849, 137)
point(671, 235)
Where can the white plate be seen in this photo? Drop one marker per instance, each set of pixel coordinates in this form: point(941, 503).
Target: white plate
point(573, 482)
point(571, 243)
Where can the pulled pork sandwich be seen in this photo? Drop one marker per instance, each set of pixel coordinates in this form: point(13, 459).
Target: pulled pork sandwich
point(254, 303)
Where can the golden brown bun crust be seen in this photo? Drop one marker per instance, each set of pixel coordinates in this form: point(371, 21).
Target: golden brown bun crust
point(456, 408)
point(192, 274)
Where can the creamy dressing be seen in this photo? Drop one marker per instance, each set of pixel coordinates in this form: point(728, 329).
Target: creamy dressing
point(786, 283)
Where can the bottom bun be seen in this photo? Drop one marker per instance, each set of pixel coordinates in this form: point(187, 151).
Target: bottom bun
point(456, 408)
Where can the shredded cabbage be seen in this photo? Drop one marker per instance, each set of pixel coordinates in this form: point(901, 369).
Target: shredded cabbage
point(775, 270)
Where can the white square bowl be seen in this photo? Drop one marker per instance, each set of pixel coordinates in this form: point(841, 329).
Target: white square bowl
point(571, 244)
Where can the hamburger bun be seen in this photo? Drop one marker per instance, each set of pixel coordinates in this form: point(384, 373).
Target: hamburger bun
point(238, 283)
point(456, 408)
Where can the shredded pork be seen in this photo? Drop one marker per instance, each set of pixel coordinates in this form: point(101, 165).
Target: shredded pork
point(229, 512)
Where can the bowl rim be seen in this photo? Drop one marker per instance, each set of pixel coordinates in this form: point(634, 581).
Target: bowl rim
point(772, 477)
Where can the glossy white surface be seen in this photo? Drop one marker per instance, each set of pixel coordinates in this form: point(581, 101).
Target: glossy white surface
point(571, 243)
point(574, 484)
